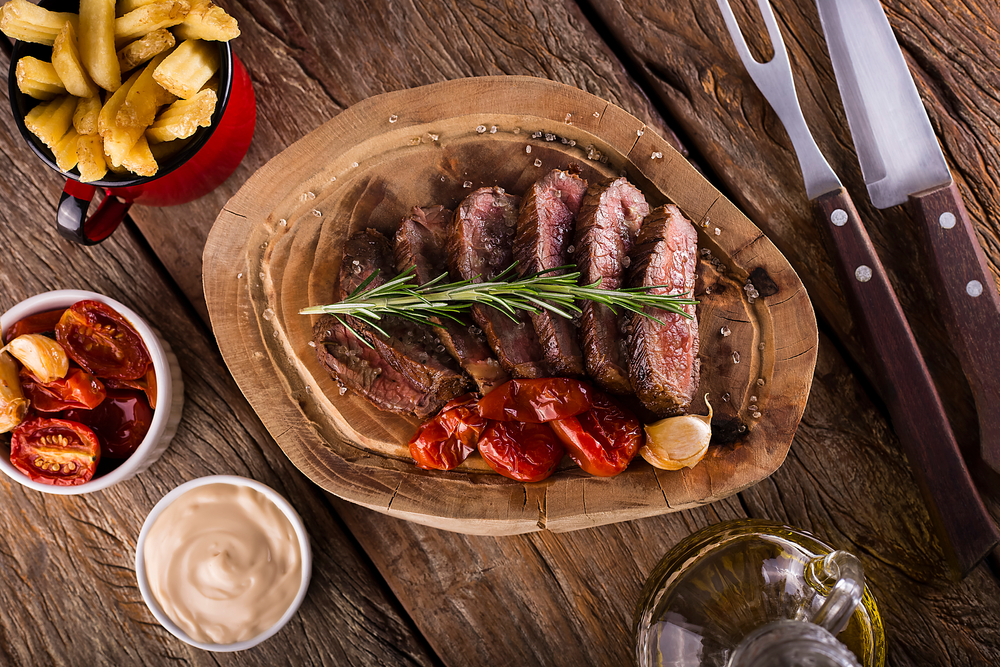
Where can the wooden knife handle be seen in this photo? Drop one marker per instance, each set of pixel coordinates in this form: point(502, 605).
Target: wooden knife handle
point(966, 530)
point(971, 303)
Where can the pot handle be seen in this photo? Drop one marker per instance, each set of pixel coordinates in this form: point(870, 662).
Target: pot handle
point(71, 215)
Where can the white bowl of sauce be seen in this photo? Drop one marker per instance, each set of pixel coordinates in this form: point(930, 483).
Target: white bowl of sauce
point(223, 562)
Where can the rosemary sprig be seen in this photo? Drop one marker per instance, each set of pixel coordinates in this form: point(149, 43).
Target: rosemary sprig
point(559, 294)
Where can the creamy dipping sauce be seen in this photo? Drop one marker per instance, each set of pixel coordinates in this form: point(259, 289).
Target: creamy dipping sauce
point(223, 563)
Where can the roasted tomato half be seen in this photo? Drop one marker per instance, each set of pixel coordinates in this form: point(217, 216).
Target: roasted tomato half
point(536, 401)
point(603, 440)
point(39, 323)
point(522, 451)
point(55, 451)
point(100, 340)
point(145, 384)
point(79, 389)
point(120, 422)
point(446, 440)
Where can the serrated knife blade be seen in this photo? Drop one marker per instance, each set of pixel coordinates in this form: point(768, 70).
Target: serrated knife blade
point(902, 162)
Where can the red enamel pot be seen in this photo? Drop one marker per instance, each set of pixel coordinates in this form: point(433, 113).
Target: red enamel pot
point(209, 158)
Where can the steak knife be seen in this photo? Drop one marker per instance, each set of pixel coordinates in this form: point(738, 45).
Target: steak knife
point(902, 162)
point(966, 530)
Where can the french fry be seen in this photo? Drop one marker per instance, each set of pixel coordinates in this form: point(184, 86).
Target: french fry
point(37, 78)
point(140, 160)
point(97, 43)
point(85, 116)
point(145, 49)
point(49, 121)
point(188, 68)
point(183, 117)
point(65, 150)
point(20, 19)
point(118, 141)
point(67, 63)
point(143, 99)
point(165, 150)
point(123, 7)
point(208, 21)
point(148, 18)
point(90, 155)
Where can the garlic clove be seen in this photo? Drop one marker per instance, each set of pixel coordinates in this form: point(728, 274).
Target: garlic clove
point(13, 404)
point(43, 357)
point(678, 442)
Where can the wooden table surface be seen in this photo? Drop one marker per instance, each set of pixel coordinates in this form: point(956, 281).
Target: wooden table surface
point(389, 592)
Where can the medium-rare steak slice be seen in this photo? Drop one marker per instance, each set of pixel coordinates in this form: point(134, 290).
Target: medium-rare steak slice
point(606, 227)
point(663, 358)
point(544, 235)
point(411, 349)
point(422, 242)
point(480, 247)
point(363, 370)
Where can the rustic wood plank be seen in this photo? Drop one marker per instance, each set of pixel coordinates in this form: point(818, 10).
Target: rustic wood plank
point(67, 558)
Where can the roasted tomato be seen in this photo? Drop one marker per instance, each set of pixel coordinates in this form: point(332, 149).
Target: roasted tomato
point(145, 384)
point(38, 323)
point(100, 340)
point(121, 421)
point(536, 401)
point(79, 389)
point(446, 440)
point(603, 440)
point(522, 451)
point(55, 451)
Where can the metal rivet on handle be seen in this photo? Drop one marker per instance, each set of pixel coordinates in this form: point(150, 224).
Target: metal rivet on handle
point(974, 288)
point(839, 217)
point(947, 220)
point(863, 274)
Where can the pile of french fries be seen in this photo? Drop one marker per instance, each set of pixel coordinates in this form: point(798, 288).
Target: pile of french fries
point(88, 117)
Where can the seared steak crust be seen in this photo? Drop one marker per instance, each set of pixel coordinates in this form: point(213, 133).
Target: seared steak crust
point(411, 349)
point(544, 234)
point(606, 227)
point(663, 359)
point(422, 242)
point(481, 247)
point(363, 370)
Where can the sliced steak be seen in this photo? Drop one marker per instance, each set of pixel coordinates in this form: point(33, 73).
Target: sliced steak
point(606, 227)
point(480, 247)
point(663, 358)
point(544, 235)
point(363, 370)
point(422, 242)
point(411, 349)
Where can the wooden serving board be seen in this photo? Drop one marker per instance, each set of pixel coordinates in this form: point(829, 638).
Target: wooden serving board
point(276, 248)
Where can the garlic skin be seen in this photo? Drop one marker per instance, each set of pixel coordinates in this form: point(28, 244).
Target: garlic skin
point(678, 442)
point(43, 357)
point(13, 404)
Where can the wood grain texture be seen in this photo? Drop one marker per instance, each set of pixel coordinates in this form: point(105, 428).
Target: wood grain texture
point(68, 561)
point(367, 168)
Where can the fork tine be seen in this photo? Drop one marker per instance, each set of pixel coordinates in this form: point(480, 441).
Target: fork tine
point(736, 33)
point(780, 54)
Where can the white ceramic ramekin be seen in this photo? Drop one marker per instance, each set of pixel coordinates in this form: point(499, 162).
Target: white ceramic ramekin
point(169, 390)
point(305, 553)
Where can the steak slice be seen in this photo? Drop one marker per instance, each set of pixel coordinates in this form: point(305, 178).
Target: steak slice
point(544, 235)
point(363, 370)
point(422, 242)
point(411, 349)
point(480, 247)
point(606, 227)
point(663, 358)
